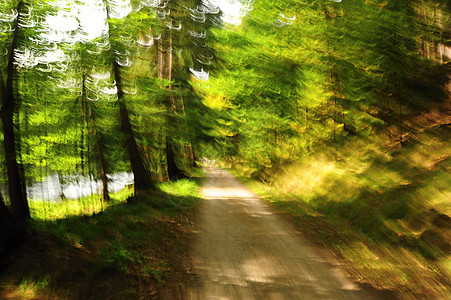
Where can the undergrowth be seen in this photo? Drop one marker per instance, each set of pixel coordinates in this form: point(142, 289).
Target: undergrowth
point(128, 250)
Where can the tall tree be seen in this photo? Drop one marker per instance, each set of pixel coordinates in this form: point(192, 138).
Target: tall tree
point(142, 177)
point(16, 183)
point(182, 49)
point(87, 110)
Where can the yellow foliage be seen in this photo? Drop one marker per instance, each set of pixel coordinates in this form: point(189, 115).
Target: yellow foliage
point(224, 122)
point(298, 128)
point(224, 131)
point(217, 102)
point(244, 120)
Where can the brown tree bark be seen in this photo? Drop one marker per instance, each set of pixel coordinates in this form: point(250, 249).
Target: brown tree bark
point(174, 173)
point(16, 182)
point(142, 178)
point(165, 64)
point(143, 181)
point(102, 160)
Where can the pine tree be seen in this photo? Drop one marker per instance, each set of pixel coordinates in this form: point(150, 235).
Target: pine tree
point(16, 183)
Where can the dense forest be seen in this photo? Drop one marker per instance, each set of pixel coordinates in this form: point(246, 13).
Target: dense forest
point(340, 106)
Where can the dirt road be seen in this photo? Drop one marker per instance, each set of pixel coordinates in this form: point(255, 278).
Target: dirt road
point(244, 250)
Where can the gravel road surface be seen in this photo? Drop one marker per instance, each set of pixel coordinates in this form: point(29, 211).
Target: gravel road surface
point(245, 250)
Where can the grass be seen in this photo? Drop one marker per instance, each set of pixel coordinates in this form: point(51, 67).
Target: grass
point(53, 210)
point(182, 193)
point(175, 195)
point(131, 249)
point(385, 214)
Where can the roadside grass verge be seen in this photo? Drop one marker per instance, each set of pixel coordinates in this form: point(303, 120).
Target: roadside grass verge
point(129, 250)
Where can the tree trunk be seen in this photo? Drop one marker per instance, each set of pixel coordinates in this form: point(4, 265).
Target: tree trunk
point(142, 179)
point(166, 63)
point(174, 173)
point(11, 234)
point(191, 155)
point(16, 182)
point(105, 195)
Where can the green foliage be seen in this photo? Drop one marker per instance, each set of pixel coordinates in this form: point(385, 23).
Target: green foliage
point(117, 256)
point(324, 72)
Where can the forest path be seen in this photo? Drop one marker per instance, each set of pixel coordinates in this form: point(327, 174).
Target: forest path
point(244, 250)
